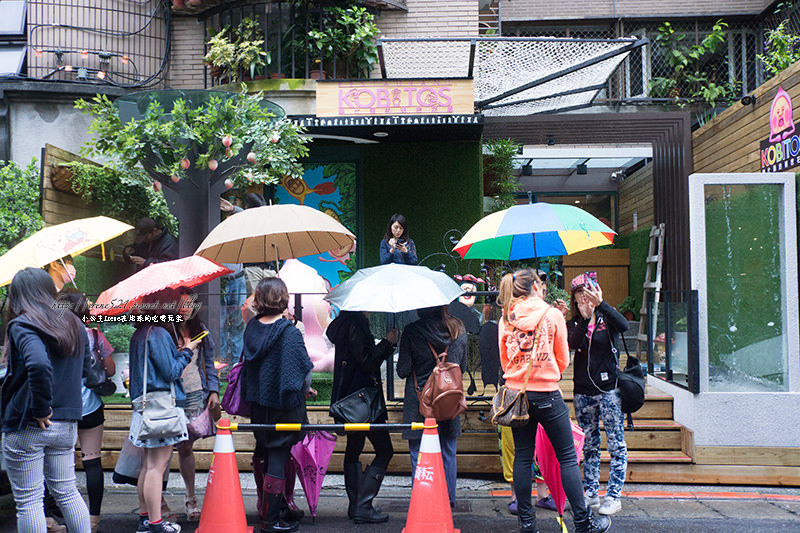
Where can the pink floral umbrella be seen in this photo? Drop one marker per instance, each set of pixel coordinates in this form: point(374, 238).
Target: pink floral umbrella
point(310, 458)
point(550, 468)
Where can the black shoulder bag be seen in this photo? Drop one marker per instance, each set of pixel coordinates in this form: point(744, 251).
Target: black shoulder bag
point(96, 377)
point(631, 385)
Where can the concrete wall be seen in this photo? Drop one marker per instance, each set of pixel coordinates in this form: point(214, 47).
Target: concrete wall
point(431, 18)
point(36, 122)
point(533, 10)
point(186, 70)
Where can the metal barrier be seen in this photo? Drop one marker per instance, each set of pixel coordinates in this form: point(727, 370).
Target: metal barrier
point(392, 428)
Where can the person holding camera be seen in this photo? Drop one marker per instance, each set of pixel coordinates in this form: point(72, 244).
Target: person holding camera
point(396, 246)
point(594, 331)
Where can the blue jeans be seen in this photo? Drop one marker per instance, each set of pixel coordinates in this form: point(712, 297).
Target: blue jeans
point(231, 324)
point(589, 410)
point(549, 410)
point(448, 445)
point(33, 455)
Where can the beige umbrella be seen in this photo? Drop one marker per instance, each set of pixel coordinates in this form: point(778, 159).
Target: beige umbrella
point(54, 242)
point(274, 232)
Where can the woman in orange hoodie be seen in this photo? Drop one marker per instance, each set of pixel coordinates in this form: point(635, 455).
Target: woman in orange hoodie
point(533, 341)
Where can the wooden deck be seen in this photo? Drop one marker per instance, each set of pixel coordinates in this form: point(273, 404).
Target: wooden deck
point(659, 449)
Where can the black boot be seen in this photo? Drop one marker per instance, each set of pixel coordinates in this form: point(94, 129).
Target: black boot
point(352, 481)
point(370, 485)
point(593, 524)
point(527, 521)
point(273, 495)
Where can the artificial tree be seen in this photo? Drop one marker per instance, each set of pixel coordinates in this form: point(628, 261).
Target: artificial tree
point(195, 145)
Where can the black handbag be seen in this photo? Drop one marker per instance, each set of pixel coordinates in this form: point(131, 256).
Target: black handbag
point(631, 385)
point(96, 376)
point(360, 407)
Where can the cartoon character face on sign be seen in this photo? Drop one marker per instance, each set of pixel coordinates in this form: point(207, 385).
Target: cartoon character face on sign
point(780, 116)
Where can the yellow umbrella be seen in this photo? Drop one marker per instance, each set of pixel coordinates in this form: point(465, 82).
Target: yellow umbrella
point(273, 232)
point(54, 242)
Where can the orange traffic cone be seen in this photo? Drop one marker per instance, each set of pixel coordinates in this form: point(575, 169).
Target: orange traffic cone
point(429, 511)
point(223, 507)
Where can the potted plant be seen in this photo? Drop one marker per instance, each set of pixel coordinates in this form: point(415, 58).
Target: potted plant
point(251, 57)
point(221, 56)
point(119, 336)
point(628, 308)
point(347, 36)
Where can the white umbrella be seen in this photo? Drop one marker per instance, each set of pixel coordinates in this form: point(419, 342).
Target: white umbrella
point(394, 288)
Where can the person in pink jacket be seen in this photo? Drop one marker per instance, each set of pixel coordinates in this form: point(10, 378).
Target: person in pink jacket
point(533, 341)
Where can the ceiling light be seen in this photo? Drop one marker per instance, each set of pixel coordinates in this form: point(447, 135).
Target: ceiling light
point(577, 201)
point(380, 134)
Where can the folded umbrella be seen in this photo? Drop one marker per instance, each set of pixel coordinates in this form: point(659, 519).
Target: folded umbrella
point(311, 457)
point(54, 242)
point(550, 468)
point(185, 272)
point(394, 288)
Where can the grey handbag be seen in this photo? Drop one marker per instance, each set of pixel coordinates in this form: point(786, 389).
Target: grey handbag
point(161, 418)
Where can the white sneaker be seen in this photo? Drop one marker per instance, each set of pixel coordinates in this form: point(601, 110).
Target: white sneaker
point(591, 500)
point(166, 527)
point(610, 506)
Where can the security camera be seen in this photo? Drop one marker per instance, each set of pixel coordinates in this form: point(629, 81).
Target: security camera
point(618, 176)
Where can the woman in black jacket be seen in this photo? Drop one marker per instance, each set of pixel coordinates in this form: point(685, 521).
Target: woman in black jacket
point(277, 375)
point(435, 328)
point(40, 401)
point(594, 331)
point(357, 364)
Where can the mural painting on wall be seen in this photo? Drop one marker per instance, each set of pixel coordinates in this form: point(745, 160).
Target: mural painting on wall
point(781, 151)
point(331, 188)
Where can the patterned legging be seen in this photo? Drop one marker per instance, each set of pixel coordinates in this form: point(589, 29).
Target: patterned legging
point(588, 411)
point(32, 454)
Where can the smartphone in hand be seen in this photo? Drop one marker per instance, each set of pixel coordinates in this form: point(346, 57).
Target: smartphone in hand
point(199, 336)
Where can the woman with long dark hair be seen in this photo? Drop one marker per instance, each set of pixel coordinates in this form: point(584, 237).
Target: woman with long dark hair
point(277, 374)
point(90, 427)
point(357, 364)
point(533, 354)
point(156, 341)
point(40, 402)
point(200, 381)
point(438, 330)
point(396, 245)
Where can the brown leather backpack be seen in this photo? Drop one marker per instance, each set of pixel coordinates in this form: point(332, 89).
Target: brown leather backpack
point(442, 397)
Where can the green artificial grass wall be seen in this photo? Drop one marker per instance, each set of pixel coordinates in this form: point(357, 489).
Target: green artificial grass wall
point(436, 186)
point(93, 275)
point(638, 242)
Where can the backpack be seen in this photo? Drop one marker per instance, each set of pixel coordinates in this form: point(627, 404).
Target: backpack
point(442, 397)
point(96, 377)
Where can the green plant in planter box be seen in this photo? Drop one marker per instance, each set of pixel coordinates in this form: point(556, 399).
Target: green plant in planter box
point(499, 165)
point(119, 336)
point(627, 305)
point(348, 34)
point(19, 203)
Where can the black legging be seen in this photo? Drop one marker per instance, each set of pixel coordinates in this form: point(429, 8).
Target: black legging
point(381, 442)
point(549, 410)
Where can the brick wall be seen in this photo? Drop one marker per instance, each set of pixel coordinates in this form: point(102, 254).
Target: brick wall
point(431, 18)
point(532, 10)
point(186, 69)
point(636, 196)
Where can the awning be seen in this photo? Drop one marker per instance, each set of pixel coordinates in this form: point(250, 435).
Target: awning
point(513, 76)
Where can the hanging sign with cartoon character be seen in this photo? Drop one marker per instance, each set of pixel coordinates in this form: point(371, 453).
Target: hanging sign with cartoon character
point(781, 151)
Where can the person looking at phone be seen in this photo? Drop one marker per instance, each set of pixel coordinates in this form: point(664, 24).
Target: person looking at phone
point(200, 381)
point(396, 246)
point(594, 331)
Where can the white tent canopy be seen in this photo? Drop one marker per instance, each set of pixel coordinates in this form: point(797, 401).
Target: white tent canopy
point(513, 76)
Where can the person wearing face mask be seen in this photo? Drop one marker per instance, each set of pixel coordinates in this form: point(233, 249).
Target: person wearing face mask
point(396, 246)
point(62, 271)
point(594, 331)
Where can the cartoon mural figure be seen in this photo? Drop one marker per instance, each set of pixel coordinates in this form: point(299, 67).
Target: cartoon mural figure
point(299, 189)
point(781, 124)
point(301, 278)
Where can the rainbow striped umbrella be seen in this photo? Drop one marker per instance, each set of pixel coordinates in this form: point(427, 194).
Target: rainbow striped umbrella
point(533, 230)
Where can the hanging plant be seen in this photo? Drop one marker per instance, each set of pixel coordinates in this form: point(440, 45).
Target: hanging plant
point(498, 166)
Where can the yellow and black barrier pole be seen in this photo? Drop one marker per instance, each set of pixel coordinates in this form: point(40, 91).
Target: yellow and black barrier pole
point(391, 428)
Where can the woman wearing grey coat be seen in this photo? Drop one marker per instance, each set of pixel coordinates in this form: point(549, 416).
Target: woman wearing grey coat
point(435, 328)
